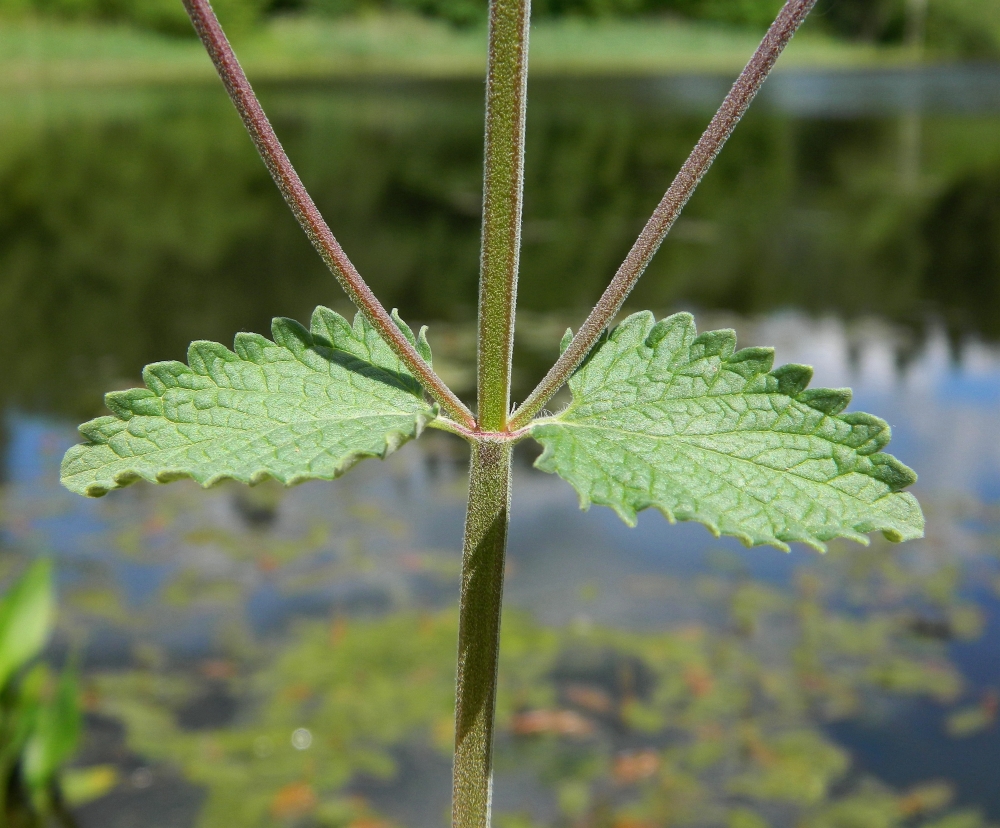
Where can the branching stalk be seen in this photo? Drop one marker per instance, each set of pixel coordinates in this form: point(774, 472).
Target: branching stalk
point(485, 545)
point(305, 211)
point(494, 435)
point(503, 182)
point(732, 110)
point(479, 630)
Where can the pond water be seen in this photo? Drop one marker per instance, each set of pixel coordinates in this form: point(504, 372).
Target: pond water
point(267, 657)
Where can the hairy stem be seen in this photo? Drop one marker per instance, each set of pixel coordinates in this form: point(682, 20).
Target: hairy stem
point(506, 94)
point(295, 194)
point(732, 110)
point(485, 545)
point(483, 556)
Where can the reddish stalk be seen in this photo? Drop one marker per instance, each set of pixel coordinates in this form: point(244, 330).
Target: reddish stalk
point(503, 186)
point(305, 211)
point(733, 108)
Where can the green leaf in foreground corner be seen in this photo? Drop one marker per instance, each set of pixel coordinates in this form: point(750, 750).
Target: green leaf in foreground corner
point(26, 613)
point(662, 417)
point(307, 406)
point(55, 737)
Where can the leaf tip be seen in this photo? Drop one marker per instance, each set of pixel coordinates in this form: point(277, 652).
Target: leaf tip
point(667, 513)
point(869, 434)
point(792, 379)
point(290, 334)
point(564, 342)
point(406, 330)
point(894, 473)
point(749, 362)
point(829, 401)
point(250, 347)
point(720, 343)
point(627, 514)
point(424, 347)
point(328, 327)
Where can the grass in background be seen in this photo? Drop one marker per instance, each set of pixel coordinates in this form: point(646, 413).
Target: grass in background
point(33, 52)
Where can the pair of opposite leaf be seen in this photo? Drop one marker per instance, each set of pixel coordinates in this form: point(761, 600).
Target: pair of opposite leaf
point(661, 417)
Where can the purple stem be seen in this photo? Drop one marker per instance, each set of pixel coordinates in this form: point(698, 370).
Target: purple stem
point(295, 194)
point(732, 110)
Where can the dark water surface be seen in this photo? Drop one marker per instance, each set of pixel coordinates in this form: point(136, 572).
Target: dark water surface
point(853, 223)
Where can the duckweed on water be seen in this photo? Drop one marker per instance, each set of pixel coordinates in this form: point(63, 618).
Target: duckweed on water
point(715, 723)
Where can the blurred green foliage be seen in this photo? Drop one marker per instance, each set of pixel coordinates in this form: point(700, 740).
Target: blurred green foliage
point(165, 16)
point(966, 27)
point(40, 719)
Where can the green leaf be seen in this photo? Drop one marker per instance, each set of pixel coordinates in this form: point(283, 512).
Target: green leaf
point(55, 737)
point(307, 406)
point(25, 619)
point(21, 714)
point(662, 417)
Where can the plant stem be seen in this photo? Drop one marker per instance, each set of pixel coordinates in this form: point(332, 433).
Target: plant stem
point(487, 515)
point(732, 110)
point(503, 183)
point(483, 556)
point(295, 194)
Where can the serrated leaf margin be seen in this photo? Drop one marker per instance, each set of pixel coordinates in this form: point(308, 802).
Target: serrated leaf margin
point(328, 329)
point(791, 380)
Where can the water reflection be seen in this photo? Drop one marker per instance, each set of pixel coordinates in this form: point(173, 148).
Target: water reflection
point(134, 222)
point(270, 657)
point(222, 627)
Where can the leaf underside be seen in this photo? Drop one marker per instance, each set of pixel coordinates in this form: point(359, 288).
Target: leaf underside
point(306, 406)
point(666, 418)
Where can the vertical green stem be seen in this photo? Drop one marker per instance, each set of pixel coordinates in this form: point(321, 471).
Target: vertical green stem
point(506, 94)
point(485, 545)
point(479, 630)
